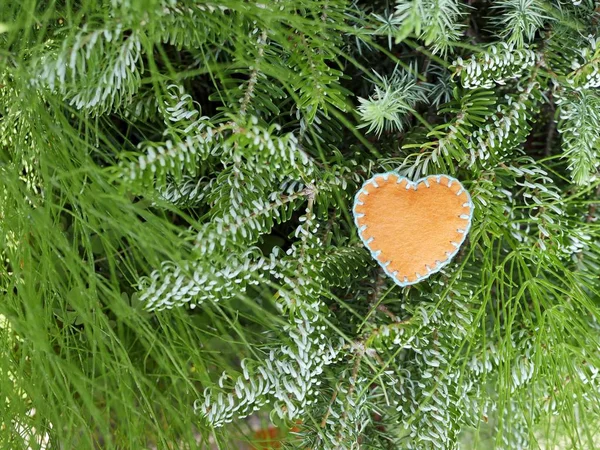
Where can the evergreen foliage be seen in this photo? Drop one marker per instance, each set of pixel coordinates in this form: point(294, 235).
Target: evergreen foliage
point(179, 259)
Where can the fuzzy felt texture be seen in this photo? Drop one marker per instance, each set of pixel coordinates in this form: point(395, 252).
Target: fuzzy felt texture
point(411, 228)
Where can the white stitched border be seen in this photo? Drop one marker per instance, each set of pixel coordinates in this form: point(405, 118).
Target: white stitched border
point(404, 282)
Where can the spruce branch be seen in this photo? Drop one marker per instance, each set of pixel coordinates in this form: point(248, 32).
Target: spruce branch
point(578, 126)
point(494, 66)
point(518, 21)
point(391, 103)
point(468, 112)
point(437, 23)
point(261, 42)
point(508, 127)
point(231, 141)
point(69, 73)
point(188, 192)
point(246, 224)
point(193, 283)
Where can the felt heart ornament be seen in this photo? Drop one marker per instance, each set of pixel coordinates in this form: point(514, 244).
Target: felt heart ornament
point(412, 229)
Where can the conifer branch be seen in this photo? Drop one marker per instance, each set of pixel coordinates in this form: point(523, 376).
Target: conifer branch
point(261, 42)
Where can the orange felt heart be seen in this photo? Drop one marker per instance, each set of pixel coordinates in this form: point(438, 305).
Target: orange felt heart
point(412, 229)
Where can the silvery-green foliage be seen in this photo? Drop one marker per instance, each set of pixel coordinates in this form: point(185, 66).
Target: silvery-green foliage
point(506, 129)
point(433, 397)
point(180, 108)
point(180, 155)
point(539, 218)
point(247, 210)
point(586, 66)
point(579, 126)
point(518, 21)
point(193, 283)
point(498, 64)
point(577, 103)
point(514, 429)
point(393, 99)
point(186, 193)
point(194, 138)
point(261, 146)
point(477, 135)
point(347, 415)
point(388, 24)
point(179, 20)
point(173, 157)
point(288, 378)
point(68, 72)
point(436, 22)
point(440, 92)
point(449, 140)
point(492, 199)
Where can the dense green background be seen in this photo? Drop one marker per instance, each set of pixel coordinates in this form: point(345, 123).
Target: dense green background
point(207, 154)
